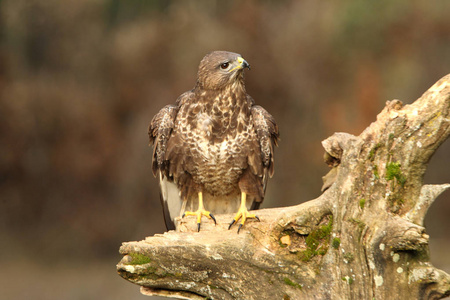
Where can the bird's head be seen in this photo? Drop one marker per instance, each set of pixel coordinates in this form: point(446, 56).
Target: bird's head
point(219, 69)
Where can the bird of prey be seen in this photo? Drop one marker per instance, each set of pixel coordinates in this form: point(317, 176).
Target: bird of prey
point(214, 148)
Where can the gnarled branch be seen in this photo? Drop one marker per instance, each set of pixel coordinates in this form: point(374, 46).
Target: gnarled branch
point(363, 238)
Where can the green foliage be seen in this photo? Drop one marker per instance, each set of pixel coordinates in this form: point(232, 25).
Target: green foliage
point(393, 170)
point(291, 283)
point(336, 243)
point(138, 259)
point(362, 202)
point(325, 230)
point(398, 179)
point(307, 254)
point(374, 149)
point(375, 172)
point(348, 279)
point(317, 241)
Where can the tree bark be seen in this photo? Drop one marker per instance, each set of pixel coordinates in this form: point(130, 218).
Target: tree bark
point(363, 238)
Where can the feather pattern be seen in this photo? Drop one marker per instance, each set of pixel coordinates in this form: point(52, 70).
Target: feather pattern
point(214, 140)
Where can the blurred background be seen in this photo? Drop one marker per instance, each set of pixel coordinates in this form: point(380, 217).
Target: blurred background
point(81, 79)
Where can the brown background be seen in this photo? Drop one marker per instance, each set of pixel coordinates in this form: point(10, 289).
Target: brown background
point(81, 79)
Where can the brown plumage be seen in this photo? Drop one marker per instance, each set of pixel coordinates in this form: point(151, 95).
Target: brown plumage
point(214, 144)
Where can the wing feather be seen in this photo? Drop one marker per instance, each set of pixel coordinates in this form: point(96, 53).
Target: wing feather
point(268, 136)
point(160, 133)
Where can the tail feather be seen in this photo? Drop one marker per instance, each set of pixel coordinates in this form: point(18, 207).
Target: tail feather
point(170, 200)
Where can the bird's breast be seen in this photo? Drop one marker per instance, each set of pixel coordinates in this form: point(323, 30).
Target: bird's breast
point(216, 132)
point(218, 164)
point(204, 124)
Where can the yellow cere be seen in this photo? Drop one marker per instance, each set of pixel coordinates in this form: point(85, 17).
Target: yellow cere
point(240, 60)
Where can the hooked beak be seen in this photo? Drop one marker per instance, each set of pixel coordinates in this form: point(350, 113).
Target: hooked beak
point(242, 64)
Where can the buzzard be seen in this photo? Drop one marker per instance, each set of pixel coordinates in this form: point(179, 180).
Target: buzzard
point(214, 148)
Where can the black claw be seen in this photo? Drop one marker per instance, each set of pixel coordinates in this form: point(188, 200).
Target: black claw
point(240, 225)
point(212, 217)
point(231, 224)
point(257, 218)
point(183, 216)
point(198, 227)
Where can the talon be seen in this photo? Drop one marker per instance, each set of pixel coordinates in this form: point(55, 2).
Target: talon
point(212, 217)
point(231, 224)
point(243, 213)
point(200, 212)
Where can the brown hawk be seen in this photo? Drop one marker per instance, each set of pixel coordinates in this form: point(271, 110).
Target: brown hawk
point(214, 148)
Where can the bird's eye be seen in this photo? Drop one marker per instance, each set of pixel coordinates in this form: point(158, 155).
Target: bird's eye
point(224, 65)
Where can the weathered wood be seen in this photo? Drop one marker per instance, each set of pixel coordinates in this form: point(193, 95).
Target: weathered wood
point(363, 238)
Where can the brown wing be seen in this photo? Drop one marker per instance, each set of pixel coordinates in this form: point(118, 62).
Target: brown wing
point(260, 153)
point(267, 134)
point(159, 133)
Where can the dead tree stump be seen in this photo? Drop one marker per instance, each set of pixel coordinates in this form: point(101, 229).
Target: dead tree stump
point(363, 238)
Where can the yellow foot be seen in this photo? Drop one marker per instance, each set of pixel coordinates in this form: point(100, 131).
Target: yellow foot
point(243, 214)
point(200, 212)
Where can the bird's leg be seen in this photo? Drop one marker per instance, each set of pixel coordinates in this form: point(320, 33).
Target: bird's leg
point(200, 212)
point(243, 213)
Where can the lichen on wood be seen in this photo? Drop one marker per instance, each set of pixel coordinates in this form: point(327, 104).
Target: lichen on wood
point(363, 238)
